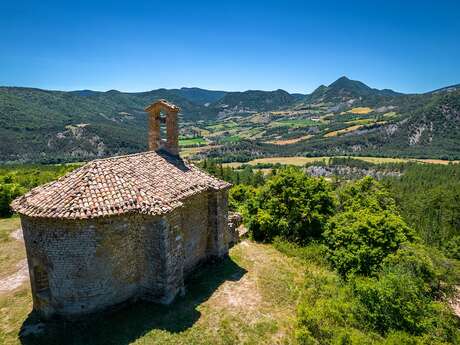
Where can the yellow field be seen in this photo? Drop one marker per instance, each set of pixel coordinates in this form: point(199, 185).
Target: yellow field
point(341, 131)
point(300, 161)
point(188, 151)
point(360, 110)
point(360, 122)
point(289, 141)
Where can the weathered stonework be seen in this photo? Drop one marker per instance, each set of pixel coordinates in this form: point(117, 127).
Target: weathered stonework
point(93, 264)
point(235, 219)
point(123, 228)
point(171, 144)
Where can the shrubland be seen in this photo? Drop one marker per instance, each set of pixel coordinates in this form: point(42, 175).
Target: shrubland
point(377, 277)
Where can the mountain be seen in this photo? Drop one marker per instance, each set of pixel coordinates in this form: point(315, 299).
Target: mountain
point(200, 96)
point(345, 117)
point(447, 89)
point(53, 126)
point(347, 90)
point(252, 101)
point(427, 126)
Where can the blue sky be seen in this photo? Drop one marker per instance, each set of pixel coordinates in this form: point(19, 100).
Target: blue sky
point(409, 46)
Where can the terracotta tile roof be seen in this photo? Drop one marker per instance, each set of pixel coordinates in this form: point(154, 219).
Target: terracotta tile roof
point(149, 183)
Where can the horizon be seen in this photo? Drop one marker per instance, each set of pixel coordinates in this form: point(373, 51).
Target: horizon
point(227, 91)
point(292, 45)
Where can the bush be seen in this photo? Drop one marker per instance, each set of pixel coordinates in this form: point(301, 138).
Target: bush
point(397, 301)
point(438, 273)
point(452, 247)
point(358, 241)
point(238, 195)
point(8, 192)
point(291, 205)
point(393, 301)
point(365, 193)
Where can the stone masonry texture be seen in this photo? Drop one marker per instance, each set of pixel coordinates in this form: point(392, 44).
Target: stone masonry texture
point(93, 264)
point(123, 228)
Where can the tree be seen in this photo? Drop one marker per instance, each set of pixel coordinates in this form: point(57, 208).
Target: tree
point(291, 205)
point(366, 230)
point(8, 192)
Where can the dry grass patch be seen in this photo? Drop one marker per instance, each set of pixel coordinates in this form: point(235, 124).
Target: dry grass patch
point(300, 161)
point(290, 141)
point(436, 161)
point(188, 151)
point(342, 131)
point(360, 122)
point(390, 115)
point(360, 110)
point(249, 298)
point(12, 251)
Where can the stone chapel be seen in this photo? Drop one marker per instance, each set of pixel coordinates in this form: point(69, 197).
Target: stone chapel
point(123, 228)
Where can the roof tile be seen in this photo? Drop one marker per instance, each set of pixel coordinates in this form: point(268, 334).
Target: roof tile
point(149, 183)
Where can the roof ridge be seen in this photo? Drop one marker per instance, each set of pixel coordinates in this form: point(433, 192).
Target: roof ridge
point(120, 156)
point(147, 183)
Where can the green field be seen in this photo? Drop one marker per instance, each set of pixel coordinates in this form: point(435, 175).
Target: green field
point(230, 139)
point(222, 126)
point(184, 142)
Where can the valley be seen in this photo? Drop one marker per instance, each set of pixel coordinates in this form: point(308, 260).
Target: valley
point(345, 118)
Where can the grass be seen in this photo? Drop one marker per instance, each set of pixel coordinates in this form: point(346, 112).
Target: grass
point(230, 139)
point(222, 126)
point(11, 250)
point(188, 151)
point(290, 141)
point(390, 115)
point(192, 141)
point(342, 131)
point(249, 298)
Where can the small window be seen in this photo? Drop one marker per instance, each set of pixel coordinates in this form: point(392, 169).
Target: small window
point(41, 279)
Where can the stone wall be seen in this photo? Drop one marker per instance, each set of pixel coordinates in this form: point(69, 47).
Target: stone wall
point(235, 219)
point(92, 264)
point(218, 223)
point(195, 230)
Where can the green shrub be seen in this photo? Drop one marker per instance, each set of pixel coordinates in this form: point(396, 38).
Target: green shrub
point(396, 301)
point(452, 247)
point(291, 205)
point(438, 273)
point(393, 301)
point(365, 193)
point(239, 195)
point(8, 192)
point(358, 241)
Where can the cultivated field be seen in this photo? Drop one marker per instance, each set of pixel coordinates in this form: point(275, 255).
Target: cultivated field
point(300, 161)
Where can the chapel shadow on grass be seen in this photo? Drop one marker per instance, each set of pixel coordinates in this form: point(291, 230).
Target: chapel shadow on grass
point(127, 324)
